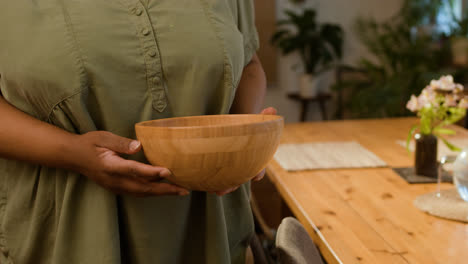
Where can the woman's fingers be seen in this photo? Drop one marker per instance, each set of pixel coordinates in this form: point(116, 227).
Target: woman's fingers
point(140, 179)
point(166, 188)
point(116, 165)
point(141, 171)
point(135, 178)
point(221, 193)
point(269, 111)
point(116, 143)
point(136, 188)
point(259, 176)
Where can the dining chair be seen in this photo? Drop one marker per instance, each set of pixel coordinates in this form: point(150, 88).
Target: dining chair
point(345, 74)
point(260, 254)
point(294, 245)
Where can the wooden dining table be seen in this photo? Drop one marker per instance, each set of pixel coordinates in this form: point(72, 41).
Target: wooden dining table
point(367, 215)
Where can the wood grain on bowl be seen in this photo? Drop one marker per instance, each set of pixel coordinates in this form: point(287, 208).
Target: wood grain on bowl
point(211, 153)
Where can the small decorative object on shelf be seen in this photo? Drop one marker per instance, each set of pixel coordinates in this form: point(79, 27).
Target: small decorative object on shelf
point(440, 104)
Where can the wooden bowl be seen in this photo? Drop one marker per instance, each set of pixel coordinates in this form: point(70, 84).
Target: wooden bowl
point(211, 153)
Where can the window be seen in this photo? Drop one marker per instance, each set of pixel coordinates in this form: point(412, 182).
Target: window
point(449, 13)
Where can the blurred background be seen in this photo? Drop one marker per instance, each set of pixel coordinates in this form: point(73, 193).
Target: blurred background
point(347, 59)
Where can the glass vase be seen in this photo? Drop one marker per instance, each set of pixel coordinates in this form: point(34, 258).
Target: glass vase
point(460, 174)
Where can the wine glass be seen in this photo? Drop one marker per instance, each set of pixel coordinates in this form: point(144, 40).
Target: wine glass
point(445, 161)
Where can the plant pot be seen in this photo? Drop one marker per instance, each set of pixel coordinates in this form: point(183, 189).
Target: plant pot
point(425, 159)
point(308, 85)
point(460, 50)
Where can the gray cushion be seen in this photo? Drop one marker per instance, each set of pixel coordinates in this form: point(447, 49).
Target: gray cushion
point(294, 244)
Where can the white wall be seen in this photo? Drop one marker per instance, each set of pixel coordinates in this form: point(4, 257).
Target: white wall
point(343, 12)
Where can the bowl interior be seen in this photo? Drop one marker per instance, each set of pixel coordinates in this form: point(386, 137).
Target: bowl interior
point(210, 120)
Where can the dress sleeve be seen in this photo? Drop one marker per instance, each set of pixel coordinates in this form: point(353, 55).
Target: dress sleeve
point(246, 25)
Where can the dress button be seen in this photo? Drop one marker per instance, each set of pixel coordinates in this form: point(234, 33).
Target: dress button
point(145, 31)
point(152, 52)
point(138, 11)
point(157, 80)
point(160, 95)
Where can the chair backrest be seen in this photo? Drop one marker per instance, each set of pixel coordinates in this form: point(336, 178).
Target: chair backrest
point(294, 245)
point(346, 74)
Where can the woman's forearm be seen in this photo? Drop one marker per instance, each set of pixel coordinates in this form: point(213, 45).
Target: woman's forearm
point(251, 90)
point(94, 154)
point(25, 138)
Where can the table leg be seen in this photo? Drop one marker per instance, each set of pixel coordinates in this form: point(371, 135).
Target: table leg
point(304, 111)
point(323, 109)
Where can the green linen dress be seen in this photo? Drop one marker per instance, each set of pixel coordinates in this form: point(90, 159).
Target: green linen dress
point(86, 65)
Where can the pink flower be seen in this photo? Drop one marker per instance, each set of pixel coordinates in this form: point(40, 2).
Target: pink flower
point(440, 92)
point(434, 85)
point(450, 101)
point(446, 78)
point(445, 83)
point(426, 98)
point(463, 103)
point(412, 104)
point(457, 96)
point(430, 87)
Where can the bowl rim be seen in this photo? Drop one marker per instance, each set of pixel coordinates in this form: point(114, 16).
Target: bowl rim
point(273, 120)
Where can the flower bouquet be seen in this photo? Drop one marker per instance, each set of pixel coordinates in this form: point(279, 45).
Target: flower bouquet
point(440, 104)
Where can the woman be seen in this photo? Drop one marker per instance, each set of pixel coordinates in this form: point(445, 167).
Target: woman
point(71, 70)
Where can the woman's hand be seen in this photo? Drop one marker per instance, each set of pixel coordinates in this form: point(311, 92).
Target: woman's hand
point(258, 177)
point(98, 159)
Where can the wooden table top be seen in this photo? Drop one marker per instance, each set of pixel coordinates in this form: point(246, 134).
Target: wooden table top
point(367, 215)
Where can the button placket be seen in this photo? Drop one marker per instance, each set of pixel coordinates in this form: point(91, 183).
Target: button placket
point(152, 52)
point(152, 55)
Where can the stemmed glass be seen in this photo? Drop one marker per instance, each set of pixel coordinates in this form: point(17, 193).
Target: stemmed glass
point(445, 160)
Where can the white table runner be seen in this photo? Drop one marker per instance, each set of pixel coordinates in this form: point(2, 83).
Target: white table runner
point(326, 155)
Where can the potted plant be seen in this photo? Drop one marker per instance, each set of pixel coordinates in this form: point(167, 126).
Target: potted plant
point(405, 57)
point(319, 45)
point(440, 104)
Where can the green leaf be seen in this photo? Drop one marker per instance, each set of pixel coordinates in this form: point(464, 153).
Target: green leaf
point(280, 34)
point(410, 135)
point(444, 131)
point(292, 15)
point(283, 22)
point(450, 145)
point(427, 116)
point(456, 114)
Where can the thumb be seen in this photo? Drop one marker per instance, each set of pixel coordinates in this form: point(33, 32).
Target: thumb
point(117, 143)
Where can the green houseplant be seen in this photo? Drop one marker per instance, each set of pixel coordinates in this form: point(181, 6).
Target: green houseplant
point(407, 53)
point(319, 45)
